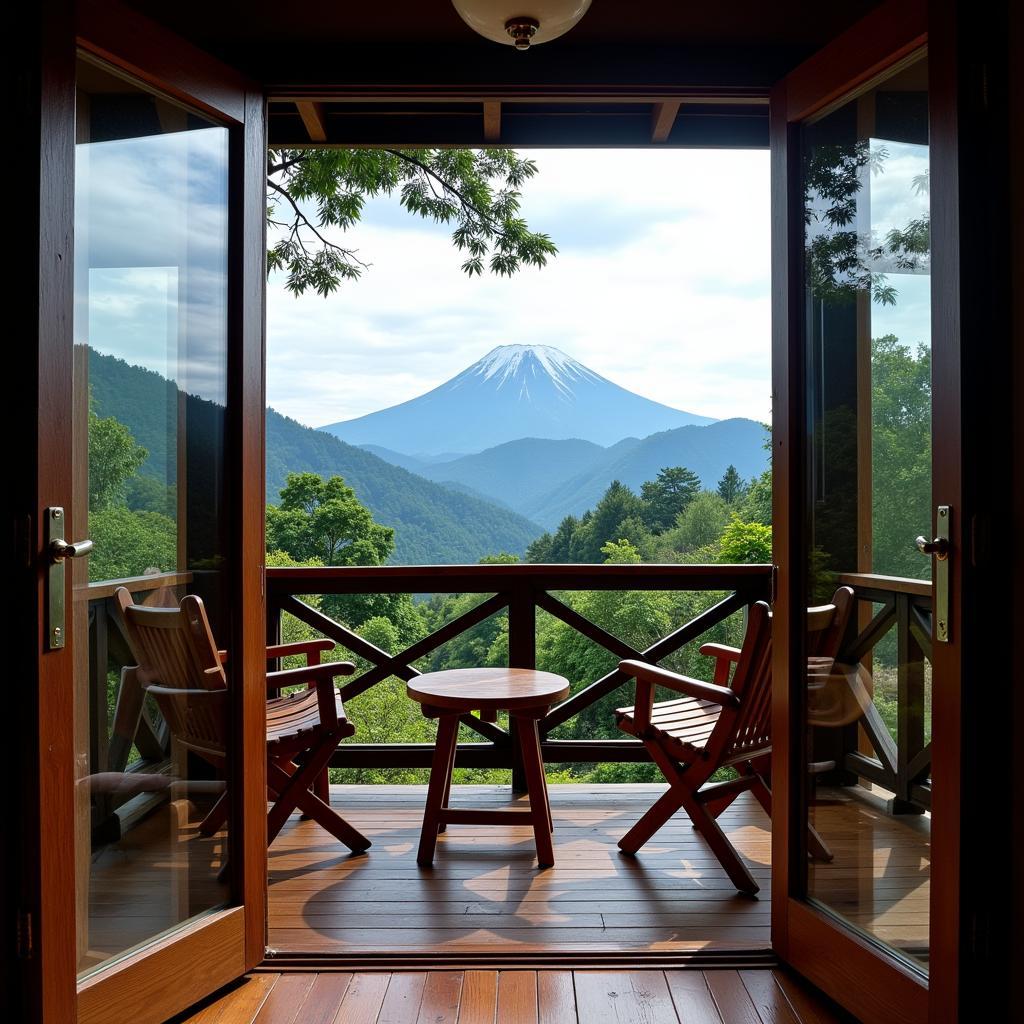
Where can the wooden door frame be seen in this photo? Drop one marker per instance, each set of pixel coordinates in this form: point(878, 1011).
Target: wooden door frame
point(174, 972)
point(853, 970)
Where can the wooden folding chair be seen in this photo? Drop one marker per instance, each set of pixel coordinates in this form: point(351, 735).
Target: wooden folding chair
point(725, 723)
point(180, 666)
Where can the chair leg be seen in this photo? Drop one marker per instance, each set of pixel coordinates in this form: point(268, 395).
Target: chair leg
point(720, 845)
point(663, 808)
point(440, 779)
point(816, 846)
point(297, 783)
point(313, 807)
point(215, 817)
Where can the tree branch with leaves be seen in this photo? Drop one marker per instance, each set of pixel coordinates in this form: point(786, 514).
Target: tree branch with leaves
point(476, 192)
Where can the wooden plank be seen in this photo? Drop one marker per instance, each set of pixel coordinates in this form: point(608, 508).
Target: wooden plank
point(731, 998)
point(517, 997)
point(239, 1004)
point(769, 1000)
point(479, 1002)
point(556, 998)
point(492, 120)
point(440, 1003)
point(314, 119)
point(284, 1000)
point(663, 117)
point(364, 999)
point(624, 997)
point(692, 998)
point(323, 1000)
point(810, 1006)
point(402, 1000)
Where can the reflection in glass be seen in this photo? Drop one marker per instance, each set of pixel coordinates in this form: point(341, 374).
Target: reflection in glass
point(867, 336)
point(150, 331)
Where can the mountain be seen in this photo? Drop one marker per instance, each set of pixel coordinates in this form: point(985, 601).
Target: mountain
point(547, 480)
point(433, 524)
point(514, 392)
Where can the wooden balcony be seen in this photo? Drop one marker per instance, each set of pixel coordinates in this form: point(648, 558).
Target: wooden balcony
point(483, 904)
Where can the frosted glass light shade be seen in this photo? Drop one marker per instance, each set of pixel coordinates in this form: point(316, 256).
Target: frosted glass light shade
point(490, 17)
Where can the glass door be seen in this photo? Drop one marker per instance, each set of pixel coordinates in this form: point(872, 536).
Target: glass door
point(152, 811)
point(867, 524)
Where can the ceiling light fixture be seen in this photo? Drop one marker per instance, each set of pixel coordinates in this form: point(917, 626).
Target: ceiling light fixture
point(521, 24)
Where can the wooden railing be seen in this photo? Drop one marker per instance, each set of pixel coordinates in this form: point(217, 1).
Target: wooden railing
point(903, 765)
point(522, 589)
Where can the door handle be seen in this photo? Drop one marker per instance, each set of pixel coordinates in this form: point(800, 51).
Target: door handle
point(58, 551)
point(61, 549)
point(939, 549)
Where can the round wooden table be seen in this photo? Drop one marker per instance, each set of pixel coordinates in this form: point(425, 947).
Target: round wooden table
point(526, 695)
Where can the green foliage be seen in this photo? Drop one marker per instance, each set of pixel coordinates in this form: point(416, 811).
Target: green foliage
point(730, 487)
point(324, 519)
point(668, 495)
point(113, 457)
point(128, 543)
point(501, 558)
point(701, 523)
point(901, 455)
point(476, 192)
point(756, 504)
point(745, 542)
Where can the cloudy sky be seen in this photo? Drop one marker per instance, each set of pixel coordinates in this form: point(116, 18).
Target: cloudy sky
point(661, 284)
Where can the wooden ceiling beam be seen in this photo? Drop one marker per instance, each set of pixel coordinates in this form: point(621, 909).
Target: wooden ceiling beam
point(663, 117)
point(312, 114)
point(492, 120)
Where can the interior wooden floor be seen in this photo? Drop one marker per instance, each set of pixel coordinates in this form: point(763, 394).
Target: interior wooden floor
point(520, 997)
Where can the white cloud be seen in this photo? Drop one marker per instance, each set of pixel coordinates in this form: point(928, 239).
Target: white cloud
point(661, 284)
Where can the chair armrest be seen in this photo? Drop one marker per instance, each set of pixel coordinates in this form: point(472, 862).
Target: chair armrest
point(306, 647)
point(309, 674)
point(725, 657)
point(649, 676)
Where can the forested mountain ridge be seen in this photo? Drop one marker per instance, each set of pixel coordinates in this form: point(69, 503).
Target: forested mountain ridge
point(433, 523)
point(546, 480)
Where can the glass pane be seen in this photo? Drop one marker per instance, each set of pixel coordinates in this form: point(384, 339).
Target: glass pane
point(150, 360)
point(867, 332)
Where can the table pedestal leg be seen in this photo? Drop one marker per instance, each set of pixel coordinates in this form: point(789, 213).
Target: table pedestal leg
point(440, 783)
point(533, 766)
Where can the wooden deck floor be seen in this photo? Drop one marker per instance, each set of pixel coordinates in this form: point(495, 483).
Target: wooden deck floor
point(520, 997)
point(485, 894)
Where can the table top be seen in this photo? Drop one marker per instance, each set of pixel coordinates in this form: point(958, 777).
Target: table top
point(488, 689)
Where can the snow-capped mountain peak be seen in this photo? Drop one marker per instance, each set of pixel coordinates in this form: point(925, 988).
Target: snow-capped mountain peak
point(520, 362)
point(513, 392)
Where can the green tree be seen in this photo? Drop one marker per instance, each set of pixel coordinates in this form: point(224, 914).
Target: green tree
point(476, 192)
point(901, 455)
point(128, 543)
point(730, 487)
point(701, 523)
point(324, 519)
point(667, 495)
point(756, 504)
point(745, 542)
point(114, 455)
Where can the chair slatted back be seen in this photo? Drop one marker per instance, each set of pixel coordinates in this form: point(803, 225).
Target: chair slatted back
point(179, 666)
point(751, 732)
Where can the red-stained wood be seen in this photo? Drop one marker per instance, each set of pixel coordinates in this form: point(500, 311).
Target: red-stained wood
point(491, 689)
point(402, 1000)
point(731, 998)
point(479, 1003)
point(771, 1003)
point(363, 999)
point(517, 997)
point(625, 997)
point(692, 998)
point(322, 1004)
point(284, 1000)
point(441, 993)
point(556, 998)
